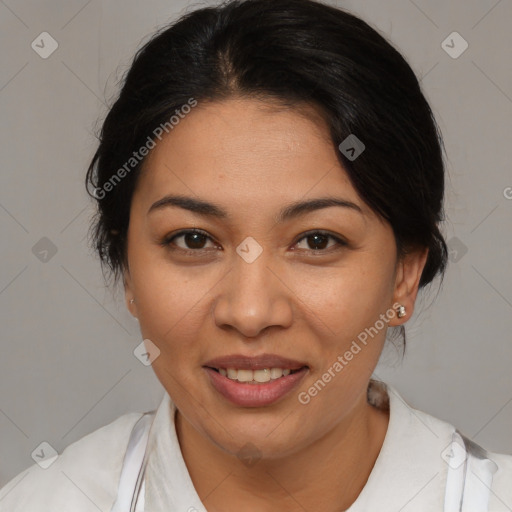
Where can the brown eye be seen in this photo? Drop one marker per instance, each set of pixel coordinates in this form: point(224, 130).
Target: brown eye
point(317, 241)
point(193, 240)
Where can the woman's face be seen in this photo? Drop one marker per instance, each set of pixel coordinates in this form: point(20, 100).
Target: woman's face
point(256, 281)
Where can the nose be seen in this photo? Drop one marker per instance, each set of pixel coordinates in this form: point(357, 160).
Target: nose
point(253, 297)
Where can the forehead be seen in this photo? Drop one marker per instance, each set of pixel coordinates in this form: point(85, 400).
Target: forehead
point(245, 151)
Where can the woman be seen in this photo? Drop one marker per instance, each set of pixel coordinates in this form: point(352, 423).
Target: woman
point(270, 186)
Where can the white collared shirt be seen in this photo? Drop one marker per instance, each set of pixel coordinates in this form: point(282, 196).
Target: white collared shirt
point(409, 474)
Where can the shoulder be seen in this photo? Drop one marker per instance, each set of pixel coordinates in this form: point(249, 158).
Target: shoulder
point(501, 495)
point(499, 469)
point(421, 441)
point(84, 477)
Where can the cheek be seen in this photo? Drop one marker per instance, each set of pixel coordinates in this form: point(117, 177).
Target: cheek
point(344, 301)
point(169, 301)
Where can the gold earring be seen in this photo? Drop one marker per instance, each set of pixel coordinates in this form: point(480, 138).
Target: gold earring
point(401, 312)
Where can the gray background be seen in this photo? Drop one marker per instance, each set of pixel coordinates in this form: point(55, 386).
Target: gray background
point(67, 365)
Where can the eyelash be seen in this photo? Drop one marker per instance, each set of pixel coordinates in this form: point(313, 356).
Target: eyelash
point(167, 242)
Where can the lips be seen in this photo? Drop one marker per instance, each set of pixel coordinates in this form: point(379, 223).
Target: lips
point(251, 388)
point(244, 362)
point(253, 394)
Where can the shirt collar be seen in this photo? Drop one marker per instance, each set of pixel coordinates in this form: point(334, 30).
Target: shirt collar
point(408, 475)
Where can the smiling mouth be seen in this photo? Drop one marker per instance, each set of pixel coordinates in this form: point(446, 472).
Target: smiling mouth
point(256, 376)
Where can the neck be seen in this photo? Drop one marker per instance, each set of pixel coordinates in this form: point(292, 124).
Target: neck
point(332, 470)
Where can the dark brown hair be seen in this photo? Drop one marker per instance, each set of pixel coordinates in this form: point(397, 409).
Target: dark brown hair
point(295, 52)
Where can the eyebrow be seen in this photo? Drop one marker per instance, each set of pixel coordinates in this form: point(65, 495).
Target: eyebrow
point(290, 211)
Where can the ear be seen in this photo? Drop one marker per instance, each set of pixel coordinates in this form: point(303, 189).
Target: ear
point(128, 293)
point(408, 275)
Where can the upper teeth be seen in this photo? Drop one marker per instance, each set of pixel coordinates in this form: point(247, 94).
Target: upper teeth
point(264, 375)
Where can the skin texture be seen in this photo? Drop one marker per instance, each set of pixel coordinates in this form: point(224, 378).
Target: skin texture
point(252, 158)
